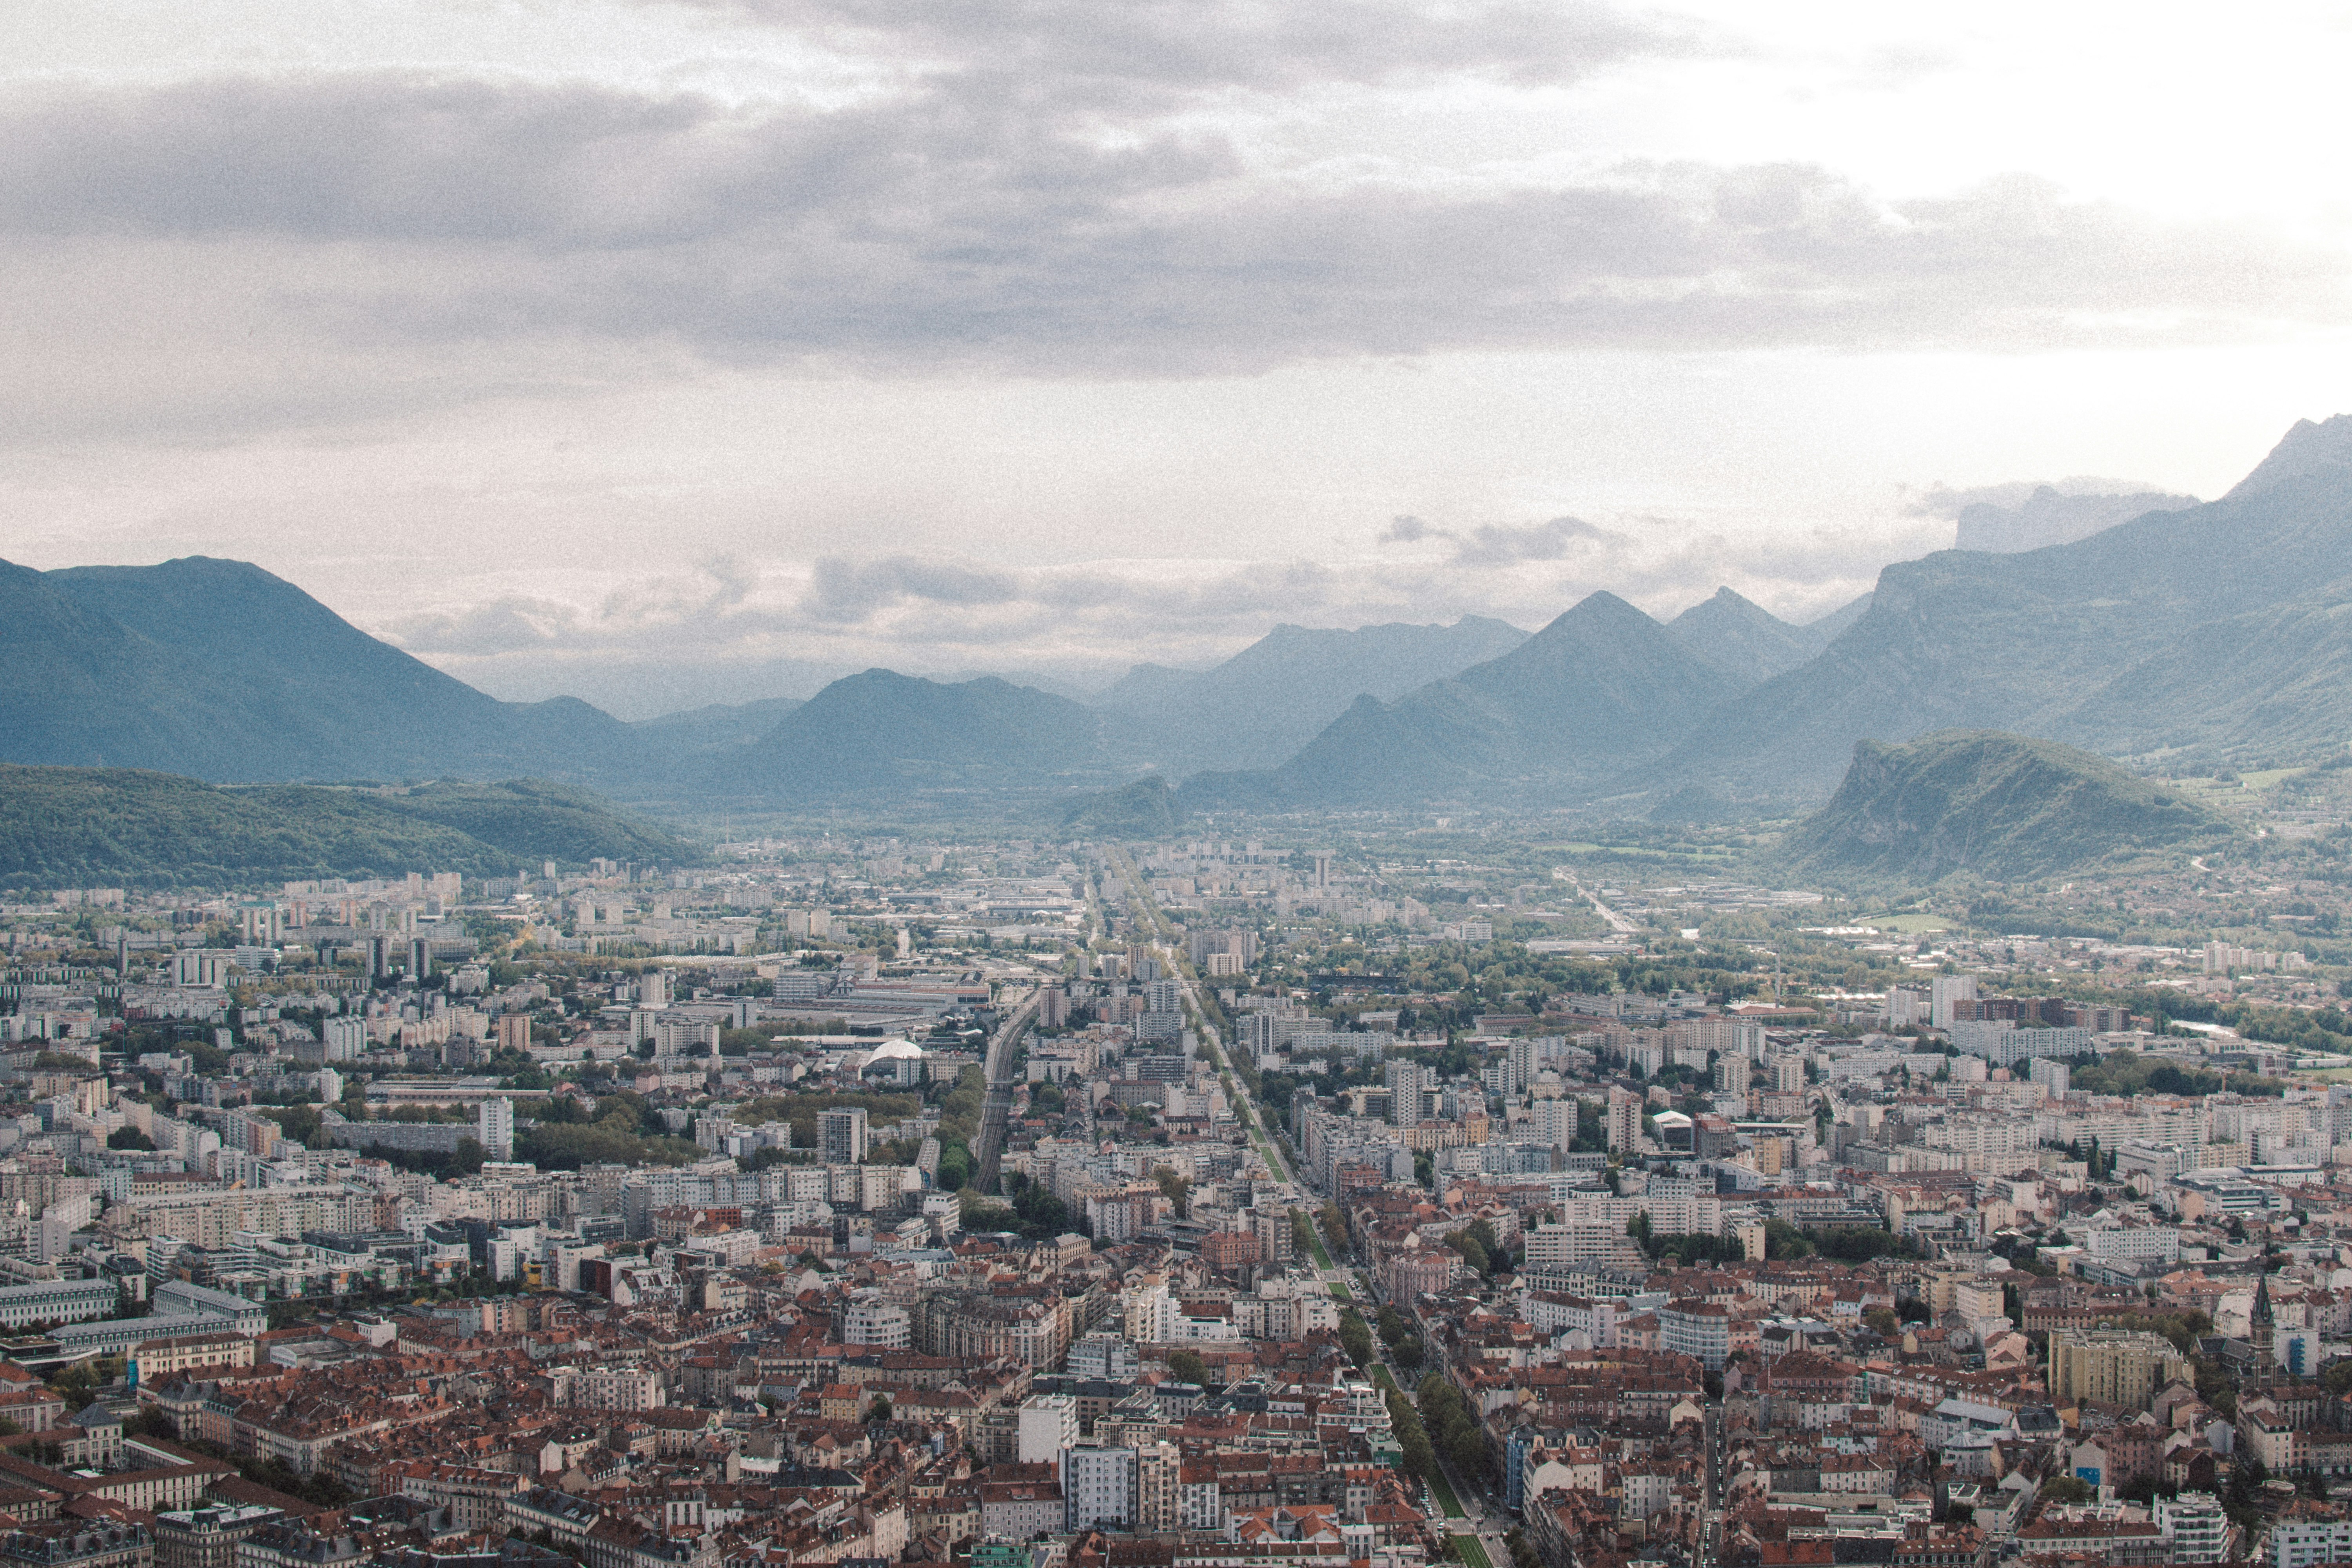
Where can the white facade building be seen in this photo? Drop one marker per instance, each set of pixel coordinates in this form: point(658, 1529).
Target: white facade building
point(1049, 1423)
point(1099, 1486)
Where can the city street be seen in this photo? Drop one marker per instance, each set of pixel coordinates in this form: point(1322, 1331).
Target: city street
point(1476, 1521)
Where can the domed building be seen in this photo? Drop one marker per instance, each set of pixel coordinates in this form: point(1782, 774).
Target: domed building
point(895, 1063)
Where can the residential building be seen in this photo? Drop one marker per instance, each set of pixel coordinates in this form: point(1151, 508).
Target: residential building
point(842, 1136)
point(2114, 1366)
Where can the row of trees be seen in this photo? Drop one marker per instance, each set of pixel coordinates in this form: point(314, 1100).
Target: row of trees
point(1404, 1343)
point(1417, 1455)
point(1452, 1424)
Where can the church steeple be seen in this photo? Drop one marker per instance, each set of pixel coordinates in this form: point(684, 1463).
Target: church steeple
point(2262, 1323)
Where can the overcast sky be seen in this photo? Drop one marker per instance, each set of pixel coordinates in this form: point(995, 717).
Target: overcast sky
point(667, 352)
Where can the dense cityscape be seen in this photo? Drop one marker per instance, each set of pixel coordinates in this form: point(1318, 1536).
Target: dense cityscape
point(1195, 1201)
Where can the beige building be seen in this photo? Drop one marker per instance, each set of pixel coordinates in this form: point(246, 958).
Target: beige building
point(158, 1359)
point(1157, 1468)
point(2114, 1366)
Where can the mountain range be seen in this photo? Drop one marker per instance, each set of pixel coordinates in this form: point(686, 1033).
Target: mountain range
point(1259, 707)
point(2217, 629)
point(2214, 630)
point(1601, 685)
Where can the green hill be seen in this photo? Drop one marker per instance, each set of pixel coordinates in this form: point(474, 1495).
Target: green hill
point(74, 826)
point(2003, 807)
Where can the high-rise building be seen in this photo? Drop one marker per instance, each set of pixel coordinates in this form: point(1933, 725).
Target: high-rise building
point(1408, 1086)
point(1157, 1468)
point(494, 1128)
point(1624, 1118)
point(514, 1032)
point(1553, 1122)
point(653, 988)
point(345, 1038)
point(1945, 989)
point(420, 958)
point(840, 1136)
point(1521, 1056)
point(1099, 1487)
point(1731, 1074)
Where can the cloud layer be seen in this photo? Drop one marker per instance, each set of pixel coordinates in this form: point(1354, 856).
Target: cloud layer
point(1046, 199)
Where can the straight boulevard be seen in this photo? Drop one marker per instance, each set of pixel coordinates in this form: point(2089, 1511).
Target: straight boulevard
point(1479, 1545)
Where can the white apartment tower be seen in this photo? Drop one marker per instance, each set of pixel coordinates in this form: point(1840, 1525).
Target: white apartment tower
point(1099, 1486)
point(1048, 1424)
point(1407, 1086)
point(494, 1128)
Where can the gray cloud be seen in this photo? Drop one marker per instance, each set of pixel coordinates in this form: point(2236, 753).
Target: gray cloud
point(1493, 545)
point(844, 590)
point(1127, 45)
point(1506, 544)
point(952, 225)
point(494, 627)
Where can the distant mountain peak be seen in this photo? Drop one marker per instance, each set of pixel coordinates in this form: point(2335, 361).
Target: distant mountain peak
point(1600, 607)
point(2303, 451)
point(1739, 635)
point(1728, 600)
point(1273, 697)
